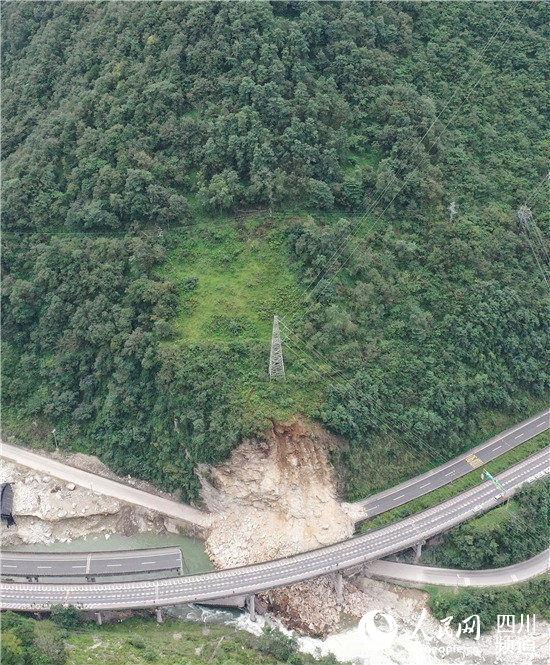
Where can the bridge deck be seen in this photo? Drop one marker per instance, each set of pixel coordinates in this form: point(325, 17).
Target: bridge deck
point(89, 564)
point(280, 572)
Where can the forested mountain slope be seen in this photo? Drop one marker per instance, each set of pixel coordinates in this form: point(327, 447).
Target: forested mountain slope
point(176, 173)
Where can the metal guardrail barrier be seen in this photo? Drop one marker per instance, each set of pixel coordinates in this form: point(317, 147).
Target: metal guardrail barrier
point(89, 565)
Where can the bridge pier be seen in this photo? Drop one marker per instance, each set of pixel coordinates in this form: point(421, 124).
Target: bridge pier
point(339, 588)
point(98, 618)
point(158, 614)
point(251, 604)
point(418, 550)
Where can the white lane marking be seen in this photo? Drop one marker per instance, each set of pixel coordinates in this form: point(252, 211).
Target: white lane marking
point(497, 447)
point(516, 429)
point(517, 437)
point(114, 565)
point(398, 497)
point(451, 473)
point(44, 567)
point(159, 554)
point(512, 477)
point(146, 563)
point(5, 565)
point(79, 566)
point(486, 445)
point(88, 563)
point(425, 485)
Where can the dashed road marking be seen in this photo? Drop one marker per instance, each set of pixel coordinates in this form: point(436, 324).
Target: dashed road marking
point(371, 546)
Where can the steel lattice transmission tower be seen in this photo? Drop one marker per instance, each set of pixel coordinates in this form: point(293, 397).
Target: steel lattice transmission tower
point(276, 362)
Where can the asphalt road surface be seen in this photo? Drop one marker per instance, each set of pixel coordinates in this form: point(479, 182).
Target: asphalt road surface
point(519, 572)
point(76, 564)
point(373, 505)
point(460, 466)
point(270, 574)
point(105, 486)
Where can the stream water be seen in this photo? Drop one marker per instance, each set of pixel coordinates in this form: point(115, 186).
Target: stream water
point(354, 644)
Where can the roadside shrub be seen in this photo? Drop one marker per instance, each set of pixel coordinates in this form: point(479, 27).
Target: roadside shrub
point(273, 643)
point(136, 642)
point(26, 641)
point(530, 598)
point(149, 655)
point(66, 617)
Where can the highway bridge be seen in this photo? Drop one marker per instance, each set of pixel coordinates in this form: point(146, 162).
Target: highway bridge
point(90, 565)
point(369, 507)
point(456, 468)
point(260, 577)
point(519, 572)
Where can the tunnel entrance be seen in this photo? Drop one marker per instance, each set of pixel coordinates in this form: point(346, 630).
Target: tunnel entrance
point(6, 503)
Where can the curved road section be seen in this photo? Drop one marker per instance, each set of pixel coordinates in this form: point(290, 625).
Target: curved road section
point(106, 486)
point(456, 468)
point(369, 507)
point(270, 574)
point(519, 572)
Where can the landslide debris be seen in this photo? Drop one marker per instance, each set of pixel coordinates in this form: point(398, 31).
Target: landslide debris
point(47, 509)
point(277, 496)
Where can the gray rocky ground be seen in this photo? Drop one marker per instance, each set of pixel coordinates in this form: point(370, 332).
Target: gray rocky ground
point(47, 509)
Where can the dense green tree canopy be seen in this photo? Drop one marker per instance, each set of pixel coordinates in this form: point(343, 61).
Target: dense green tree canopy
point(27, 642)
point(130, 128)
point(505, 536)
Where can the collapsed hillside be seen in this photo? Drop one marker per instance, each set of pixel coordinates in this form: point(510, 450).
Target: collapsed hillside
point(276, 496)
point(166, 163)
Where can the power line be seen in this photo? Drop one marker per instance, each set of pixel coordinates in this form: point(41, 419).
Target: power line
point(383, 423)
point(308, 293)
point(386, 424)
point(347, 382)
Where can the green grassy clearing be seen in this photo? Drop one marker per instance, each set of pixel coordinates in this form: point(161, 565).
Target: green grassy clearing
point(138, 641)
point(233, 275)
point(232, 281)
